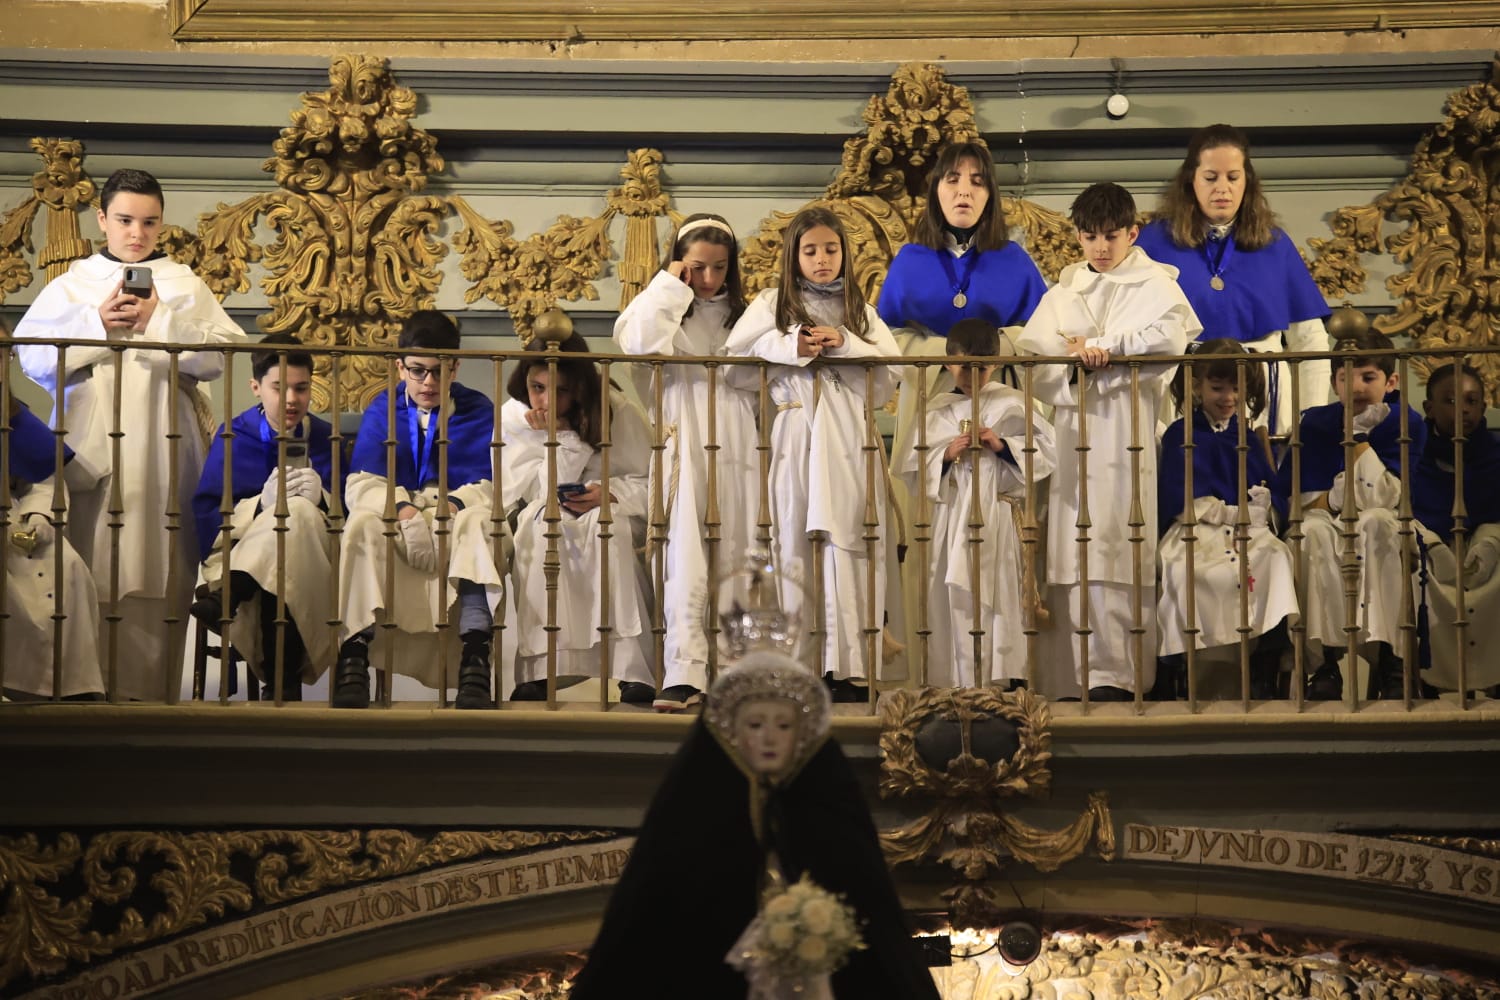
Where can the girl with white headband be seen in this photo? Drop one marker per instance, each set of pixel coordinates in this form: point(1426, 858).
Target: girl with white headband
point(688, 310)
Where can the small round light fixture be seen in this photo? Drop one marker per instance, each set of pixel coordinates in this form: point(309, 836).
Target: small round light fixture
point(1117, 107)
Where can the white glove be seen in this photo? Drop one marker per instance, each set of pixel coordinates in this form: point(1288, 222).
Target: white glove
point(1371, 418)
point(1479, 565)
point(1260, 506)
point(1212, 510)
point(1336, 494)
point(304, 483)
point(1440, 559)
point(268, 492)
point(416, 544)
point(45, 533)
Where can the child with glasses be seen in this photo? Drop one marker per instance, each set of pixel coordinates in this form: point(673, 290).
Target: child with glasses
point(462, 583)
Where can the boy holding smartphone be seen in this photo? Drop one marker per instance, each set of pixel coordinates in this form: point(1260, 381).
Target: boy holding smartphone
point(91, 303)
point(278, 452)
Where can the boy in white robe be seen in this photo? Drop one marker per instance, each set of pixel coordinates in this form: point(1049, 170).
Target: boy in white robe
point(29, 554)
point(158, 557)
point(279, 454)
point(1115, 306)
point(1362, 497)
point(1007, 591)
point(444, 572)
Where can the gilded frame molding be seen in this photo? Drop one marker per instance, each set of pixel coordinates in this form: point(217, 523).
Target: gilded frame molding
point(744, 20)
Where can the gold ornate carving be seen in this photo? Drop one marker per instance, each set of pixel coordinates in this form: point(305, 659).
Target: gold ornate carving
point(1465, 845)
point(62, 186)
point(641, 200)
point(880, 190)
point(71, 902)
point(1449, 293)
point(966, 827)
point(357, 245)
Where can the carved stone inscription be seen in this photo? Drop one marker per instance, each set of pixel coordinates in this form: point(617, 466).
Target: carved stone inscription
point(1400, 865)
point(494, 881)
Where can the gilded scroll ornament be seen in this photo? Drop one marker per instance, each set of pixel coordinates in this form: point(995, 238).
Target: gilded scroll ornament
point(965, 826)
point(62, 187)
point(1448, 294)
point(73, 901)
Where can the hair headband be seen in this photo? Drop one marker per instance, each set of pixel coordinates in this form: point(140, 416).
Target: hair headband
point(688, 227)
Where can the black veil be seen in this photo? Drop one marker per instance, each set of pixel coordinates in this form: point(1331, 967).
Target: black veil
point(694, 879)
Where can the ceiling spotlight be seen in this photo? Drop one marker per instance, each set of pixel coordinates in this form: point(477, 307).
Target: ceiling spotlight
point(1117, 107)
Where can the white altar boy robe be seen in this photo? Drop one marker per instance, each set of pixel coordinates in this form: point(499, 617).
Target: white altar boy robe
point(1006, 590)
point(581, 605)
point(30, 583)
point(655, 323)
point(1133, 311)
point(823, 455)
point(149, 666)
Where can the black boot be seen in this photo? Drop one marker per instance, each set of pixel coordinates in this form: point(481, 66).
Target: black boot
point(293, 653)
point(208, 603)
point(351, 680)
point(1386, 680)
point(474, 673)
point(1326, 683)
point(1170, 673)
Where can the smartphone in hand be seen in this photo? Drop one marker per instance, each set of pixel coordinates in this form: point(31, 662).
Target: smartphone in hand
point(137, 281)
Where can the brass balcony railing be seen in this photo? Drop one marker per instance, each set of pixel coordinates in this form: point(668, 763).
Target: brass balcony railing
point(906, 522)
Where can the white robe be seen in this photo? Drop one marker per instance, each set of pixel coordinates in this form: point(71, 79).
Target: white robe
point(823, 457)
point(149, 662)
point(1481, 610)
point(307, 583)
point(1216, 572)
point(581, 604)
point(1005, 591)
point(30, 588)
point(1134, 311)
point(1377, 546)
point(419, 599)
point(655, 323)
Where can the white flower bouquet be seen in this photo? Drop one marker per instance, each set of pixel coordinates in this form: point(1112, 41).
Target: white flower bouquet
point(802, 934)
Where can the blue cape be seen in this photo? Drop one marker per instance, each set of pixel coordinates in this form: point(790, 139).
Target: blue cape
point(1003, 290)
point(1216, 468)
point(1432, 482)
point(1323, 443)
point(471, 427)
point(33, 448)
point(1265, 290)
point(254, 456)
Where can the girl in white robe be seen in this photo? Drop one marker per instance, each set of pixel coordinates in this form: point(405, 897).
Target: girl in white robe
point(688, 309)
point(149, 657)
point(1007, 589)
point(825, 452)
point(1106, 312)
point(1222, 506)
point(583, 606)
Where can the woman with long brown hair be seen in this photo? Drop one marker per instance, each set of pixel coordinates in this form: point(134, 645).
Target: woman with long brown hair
point(1240, 271)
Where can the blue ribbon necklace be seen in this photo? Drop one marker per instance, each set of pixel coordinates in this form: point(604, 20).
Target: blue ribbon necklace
point(960, 287)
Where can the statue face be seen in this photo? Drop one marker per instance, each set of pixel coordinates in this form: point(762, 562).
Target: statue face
point(765, 733)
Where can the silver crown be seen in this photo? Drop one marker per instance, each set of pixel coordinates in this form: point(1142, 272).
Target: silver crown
point(754, 619)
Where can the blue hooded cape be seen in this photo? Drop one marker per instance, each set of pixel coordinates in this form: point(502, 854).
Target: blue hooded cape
point(1323, 444)
point(1264, 290)
point(471, 427)
point(1432, 482)
point(1216, 468)
point(1004, 288)
point(254, 456)
point(33, 447)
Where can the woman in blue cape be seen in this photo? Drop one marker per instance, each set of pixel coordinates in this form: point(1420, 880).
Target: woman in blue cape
point(1241, 272)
